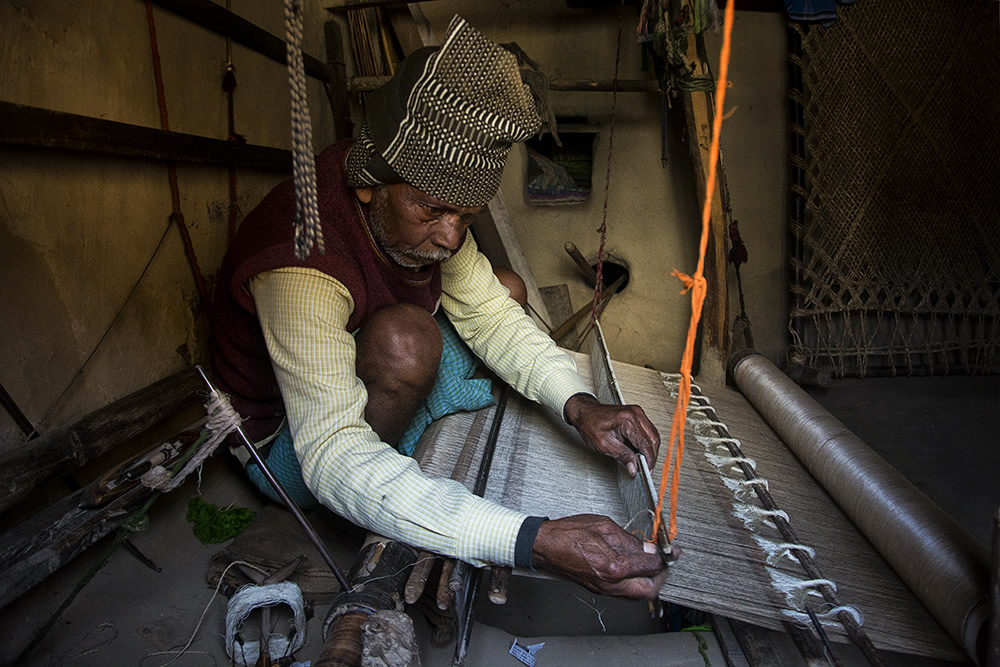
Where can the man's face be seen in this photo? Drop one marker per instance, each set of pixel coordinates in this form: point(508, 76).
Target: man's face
point(414, 228)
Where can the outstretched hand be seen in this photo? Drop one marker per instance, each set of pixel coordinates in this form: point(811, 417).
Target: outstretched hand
point(614, 430)
point(593, 551)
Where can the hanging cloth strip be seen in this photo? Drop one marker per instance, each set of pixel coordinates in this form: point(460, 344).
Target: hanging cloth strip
point(814, 11)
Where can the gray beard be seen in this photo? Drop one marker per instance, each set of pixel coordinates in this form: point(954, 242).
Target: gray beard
point(410, 259)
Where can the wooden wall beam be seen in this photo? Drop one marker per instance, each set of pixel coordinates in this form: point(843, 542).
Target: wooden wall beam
point(361, 84)
point(24, 467)
point(344, 5)
point(41, 128)
point(223, 22)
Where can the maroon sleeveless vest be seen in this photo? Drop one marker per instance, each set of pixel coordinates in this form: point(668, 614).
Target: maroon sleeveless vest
point(265, 241)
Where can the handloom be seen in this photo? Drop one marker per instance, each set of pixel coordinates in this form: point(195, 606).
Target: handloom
point(735, 563)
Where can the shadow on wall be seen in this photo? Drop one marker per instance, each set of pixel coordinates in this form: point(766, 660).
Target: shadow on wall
point(29, 297)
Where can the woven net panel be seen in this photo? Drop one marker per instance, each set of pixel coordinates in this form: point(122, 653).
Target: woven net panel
point(897, 262)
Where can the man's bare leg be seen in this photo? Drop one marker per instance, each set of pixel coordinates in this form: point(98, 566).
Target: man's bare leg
point(513, 282)
point(399, 350)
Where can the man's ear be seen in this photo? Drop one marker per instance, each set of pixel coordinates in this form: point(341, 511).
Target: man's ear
point(364, 195)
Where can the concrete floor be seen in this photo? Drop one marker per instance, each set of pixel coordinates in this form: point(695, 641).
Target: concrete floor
point(941, 432)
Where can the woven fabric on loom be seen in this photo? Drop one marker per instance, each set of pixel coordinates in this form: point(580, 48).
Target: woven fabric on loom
point(540, 468)
point(896, 155)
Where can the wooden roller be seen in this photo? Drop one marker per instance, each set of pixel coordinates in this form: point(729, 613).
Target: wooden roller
point(945, 567)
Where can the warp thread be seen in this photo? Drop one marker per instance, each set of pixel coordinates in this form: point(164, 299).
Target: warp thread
point(754, 516)
point(731, 462)
point(829, 617)
point(796, 591)
point(222, 420)
point(777, 550)
point(745, 489)
point(250, 598)
point(639, 516)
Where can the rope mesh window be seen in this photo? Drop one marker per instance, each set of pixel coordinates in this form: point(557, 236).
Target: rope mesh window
point(896, 199)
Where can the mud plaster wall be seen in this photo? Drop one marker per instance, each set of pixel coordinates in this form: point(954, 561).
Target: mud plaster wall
point(653, 213)
point(96, 293)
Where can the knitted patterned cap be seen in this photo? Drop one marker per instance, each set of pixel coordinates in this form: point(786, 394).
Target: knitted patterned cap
point(446, 120)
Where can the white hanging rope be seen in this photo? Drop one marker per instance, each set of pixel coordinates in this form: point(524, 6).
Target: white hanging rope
point(308, 233)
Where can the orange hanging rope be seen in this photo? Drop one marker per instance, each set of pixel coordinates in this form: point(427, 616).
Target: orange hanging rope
point(697, 286)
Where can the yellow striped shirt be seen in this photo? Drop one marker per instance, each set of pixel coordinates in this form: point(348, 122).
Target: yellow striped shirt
point(303, 314)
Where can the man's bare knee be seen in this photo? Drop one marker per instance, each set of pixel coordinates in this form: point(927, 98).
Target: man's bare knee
point(400, 344)
point(514, 283)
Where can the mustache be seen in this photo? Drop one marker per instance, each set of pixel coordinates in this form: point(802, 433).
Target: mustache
point(411, 257)
point(427, 255)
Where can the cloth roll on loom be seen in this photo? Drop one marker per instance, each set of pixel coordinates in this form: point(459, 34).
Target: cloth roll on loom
point(945, 567)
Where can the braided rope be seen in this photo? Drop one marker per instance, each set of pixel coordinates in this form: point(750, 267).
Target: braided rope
point(308, 233)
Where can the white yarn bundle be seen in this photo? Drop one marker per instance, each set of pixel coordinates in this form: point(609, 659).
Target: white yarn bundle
point(250, 598)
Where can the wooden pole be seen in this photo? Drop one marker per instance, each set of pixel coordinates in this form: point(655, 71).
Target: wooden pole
point(698, 107)
point(25, 467)
point(343, 5)
point(42, 544)
point(568, 325)
point(343, 127)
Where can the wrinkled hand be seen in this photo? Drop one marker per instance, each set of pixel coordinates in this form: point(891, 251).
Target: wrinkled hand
point(610, 429)
point(596, 553)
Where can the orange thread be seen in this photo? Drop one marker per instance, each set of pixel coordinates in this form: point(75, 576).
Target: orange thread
point(697, 286)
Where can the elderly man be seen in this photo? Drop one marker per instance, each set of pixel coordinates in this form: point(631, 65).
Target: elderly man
point(332, 358)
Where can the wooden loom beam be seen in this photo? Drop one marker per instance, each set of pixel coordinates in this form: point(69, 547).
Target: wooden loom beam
point(945, 567)
point(42, 544)
point(25, 467)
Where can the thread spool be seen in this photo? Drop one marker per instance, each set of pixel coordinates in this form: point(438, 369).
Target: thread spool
point(251, 598)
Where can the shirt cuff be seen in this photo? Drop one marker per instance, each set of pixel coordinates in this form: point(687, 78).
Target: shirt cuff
point(559, 388)
point(526, 541)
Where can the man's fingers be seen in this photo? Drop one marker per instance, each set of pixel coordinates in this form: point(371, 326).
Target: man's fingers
point(639, 588)
point(627, 458)
point(642, 434)
point(597, 553)
point(648, 563)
